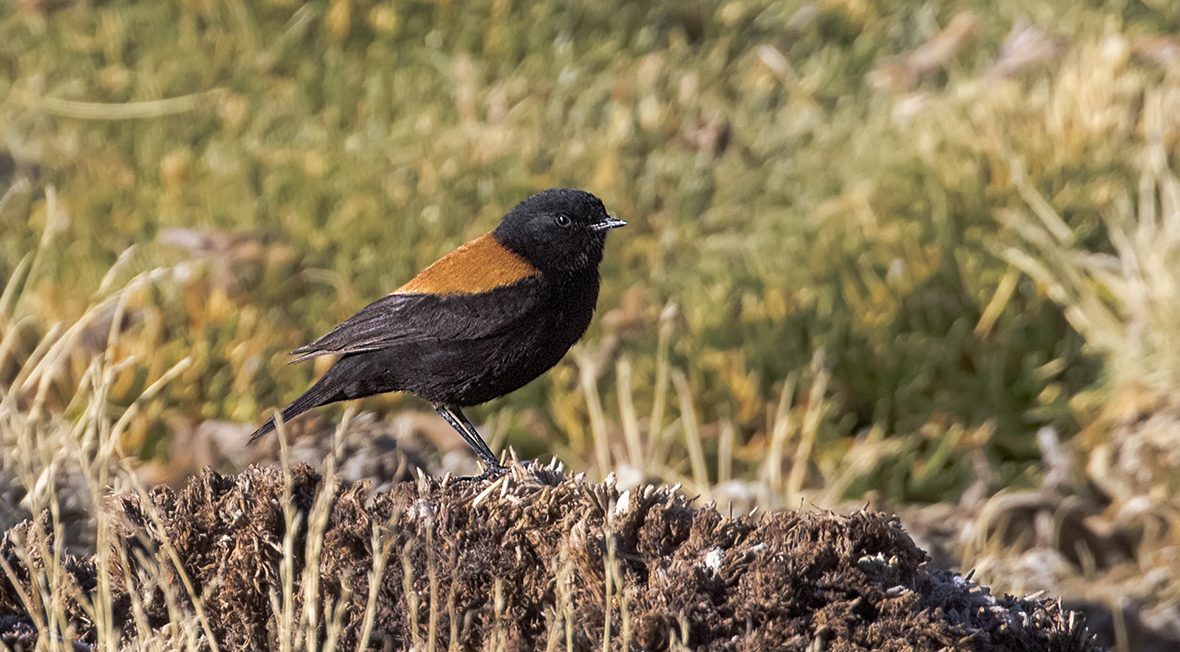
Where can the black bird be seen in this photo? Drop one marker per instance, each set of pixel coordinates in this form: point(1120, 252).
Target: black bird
point(478, 323)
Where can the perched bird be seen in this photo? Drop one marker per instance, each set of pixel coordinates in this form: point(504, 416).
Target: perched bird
point(476, 324)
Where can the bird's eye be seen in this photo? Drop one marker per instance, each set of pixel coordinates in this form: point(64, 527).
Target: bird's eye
point(563, 221)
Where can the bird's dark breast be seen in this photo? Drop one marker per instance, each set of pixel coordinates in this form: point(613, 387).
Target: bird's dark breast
point(473, 371)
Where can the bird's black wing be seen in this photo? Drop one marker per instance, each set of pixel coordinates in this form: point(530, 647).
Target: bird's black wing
point(404, 318)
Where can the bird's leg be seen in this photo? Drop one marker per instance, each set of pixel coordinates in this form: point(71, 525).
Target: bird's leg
point(497, 468)
point(457, 420)
point(477, 441)
point(493, 462)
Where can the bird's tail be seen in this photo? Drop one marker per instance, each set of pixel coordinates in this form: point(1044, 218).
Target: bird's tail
point(323, 392)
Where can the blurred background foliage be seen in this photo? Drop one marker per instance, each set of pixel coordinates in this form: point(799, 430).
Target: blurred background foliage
point(817, 190)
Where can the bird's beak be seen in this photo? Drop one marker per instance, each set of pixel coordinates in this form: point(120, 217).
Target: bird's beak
point(607, 224)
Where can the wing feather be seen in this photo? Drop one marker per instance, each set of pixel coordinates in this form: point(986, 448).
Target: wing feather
point(403, 318)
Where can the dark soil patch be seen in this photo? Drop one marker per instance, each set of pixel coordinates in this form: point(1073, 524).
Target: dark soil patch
point(527, 559)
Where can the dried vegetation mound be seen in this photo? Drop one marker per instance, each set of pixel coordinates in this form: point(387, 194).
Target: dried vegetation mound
point(535, 558)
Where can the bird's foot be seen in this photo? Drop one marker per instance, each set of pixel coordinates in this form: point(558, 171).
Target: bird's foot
point(490, 471)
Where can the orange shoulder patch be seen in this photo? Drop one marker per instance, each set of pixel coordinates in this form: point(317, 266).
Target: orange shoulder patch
point(478, 266)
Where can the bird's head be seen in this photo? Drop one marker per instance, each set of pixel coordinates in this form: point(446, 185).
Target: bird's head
point(558, 231)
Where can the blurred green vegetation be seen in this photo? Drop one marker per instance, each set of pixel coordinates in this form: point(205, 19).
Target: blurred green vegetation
point(796, 177)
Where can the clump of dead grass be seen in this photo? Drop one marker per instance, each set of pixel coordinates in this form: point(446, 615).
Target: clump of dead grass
point(281, 558)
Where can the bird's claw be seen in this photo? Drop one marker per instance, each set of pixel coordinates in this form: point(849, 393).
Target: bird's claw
point(491, 470)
